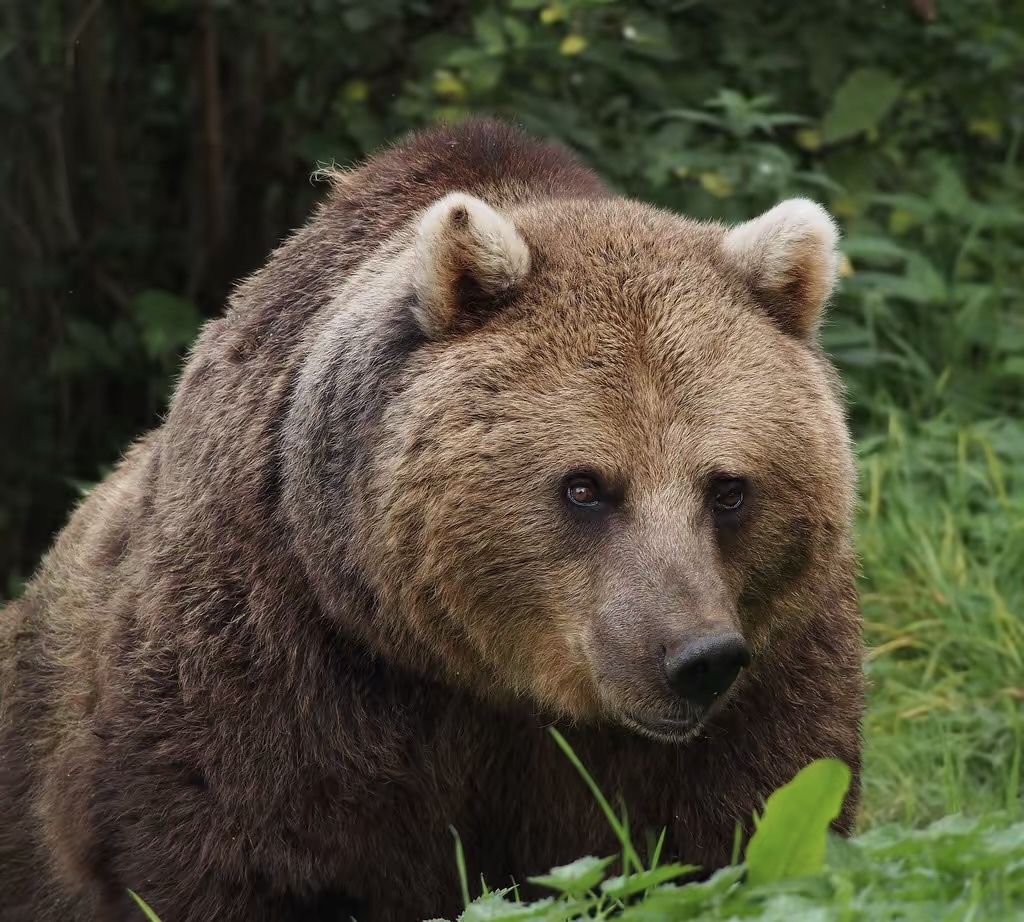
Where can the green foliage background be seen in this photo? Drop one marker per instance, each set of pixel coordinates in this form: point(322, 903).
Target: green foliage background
point(155, 151)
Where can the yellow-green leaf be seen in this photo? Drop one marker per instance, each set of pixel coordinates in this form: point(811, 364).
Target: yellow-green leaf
point(986, 128)
point(356, 91)
point(552, 14)
point(716, 184)
point(808, 139)
point(446, 84)
point(900, 221)
point(572, 44)
point(845, 206)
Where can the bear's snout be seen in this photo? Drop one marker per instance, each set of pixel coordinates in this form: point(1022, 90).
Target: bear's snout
point(700, 671)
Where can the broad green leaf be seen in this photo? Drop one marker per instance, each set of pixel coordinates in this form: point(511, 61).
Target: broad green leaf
point(671, 902)
point(494, 908)
point(582, 875)
point(860, 104)
point(619, 888)
point(791, 834)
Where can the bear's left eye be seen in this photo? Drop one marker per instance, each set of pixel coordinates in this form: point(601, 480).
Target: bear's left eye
point(727, 494)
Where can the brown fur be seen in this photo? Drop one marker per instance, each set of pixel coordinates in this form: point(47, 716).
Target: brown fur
point(328, 608)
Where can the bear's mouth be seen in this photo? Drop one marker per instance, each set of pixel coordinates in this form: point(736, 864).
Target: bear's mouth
point(665, 729)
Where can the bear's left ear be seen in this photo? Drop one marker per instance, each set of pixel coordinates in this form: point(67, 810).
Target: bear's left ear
point(467, 257)
point(789, 259)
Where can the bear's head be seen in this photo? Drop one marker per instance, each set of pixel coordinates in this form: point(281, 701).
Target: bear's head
point(582, 453)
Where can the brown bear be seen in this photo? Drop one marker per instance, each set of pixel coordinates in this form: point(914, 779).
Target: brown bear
point(484, 449)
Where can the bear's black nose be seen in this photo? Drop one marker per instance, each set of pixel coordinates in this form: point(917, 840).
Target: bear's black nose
point(702, 670)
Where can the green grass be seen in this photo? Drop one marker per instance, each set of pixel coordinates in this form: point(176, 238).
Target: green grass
point(942, 544)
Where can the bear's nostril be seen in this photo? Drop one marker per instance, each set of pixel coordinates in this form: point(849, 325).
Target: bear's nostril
point(703, 670)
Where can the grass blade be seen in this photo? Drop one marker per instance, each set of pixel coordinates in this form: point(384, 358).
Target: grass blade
point(149, 914)
point(631, 857)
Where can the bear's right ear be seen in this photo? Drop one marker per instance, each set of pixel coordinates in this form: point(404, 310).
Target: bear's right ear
point(467, 257)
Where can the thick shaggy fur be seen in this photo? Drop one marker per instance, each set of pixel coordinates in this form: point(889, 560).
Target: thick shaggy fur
point(327, 610)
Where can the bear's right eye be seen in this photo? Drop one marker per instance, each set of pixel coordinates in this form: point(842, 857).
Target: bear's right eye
point(582, 490)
